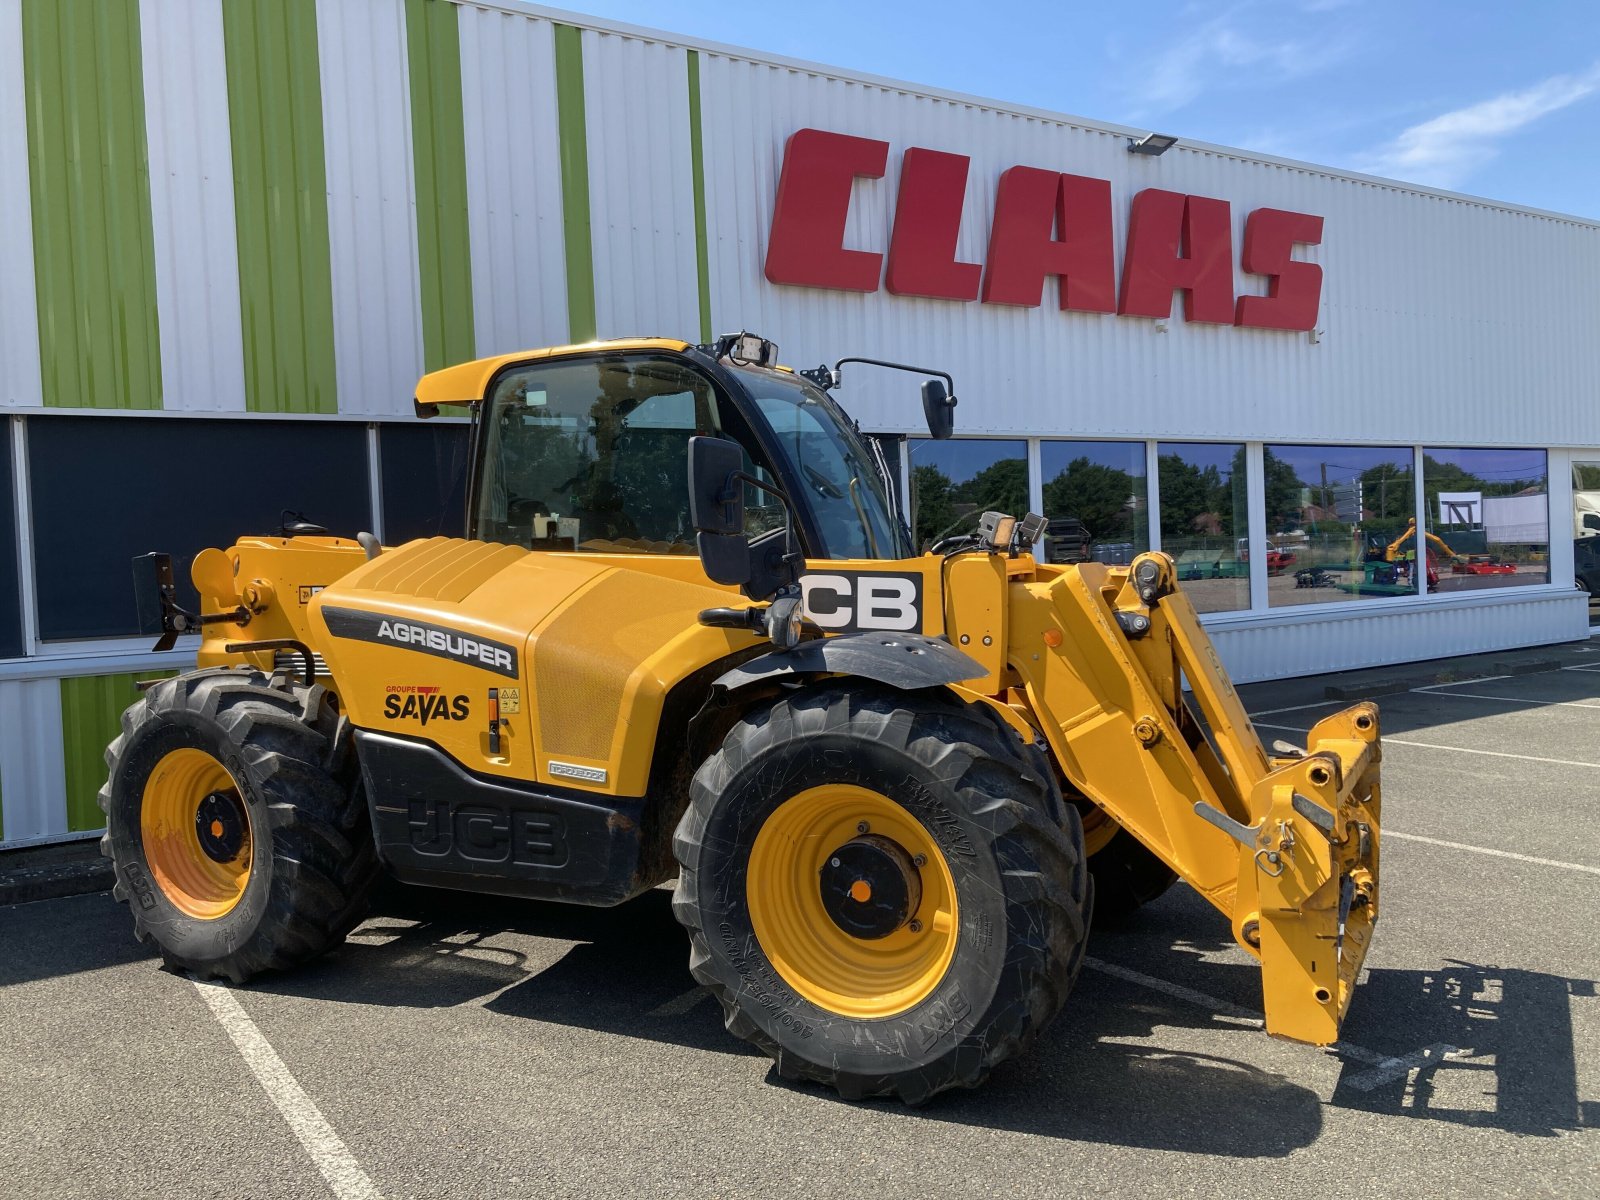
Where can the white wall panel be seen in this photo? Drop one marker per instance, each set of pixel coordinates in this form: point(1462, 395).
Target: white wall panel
point(191, 205)
point(1308, 643)
point(508, 97)
point(641, 187)
point(1444, 318)
point(19, 321)
point(33, 784)
point(372, 226)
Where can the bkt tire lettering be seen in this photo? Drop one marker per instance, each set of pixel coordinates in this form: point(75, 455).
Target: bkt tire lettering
point(863, 600)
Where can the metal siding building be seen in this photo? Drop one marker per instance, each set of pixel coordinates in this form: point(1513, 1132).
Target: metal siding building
point(277, 211)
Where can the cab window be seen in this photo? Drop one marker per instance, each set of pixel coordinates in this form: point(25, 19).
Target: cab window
point(593, 455)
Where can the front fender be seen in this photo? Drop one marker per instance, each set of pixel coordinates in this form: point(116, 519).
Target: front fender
point(902, 660)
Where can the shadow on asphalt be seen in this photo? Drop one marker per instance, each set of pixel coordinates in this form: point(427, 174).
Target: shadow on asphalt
point(1512, 1065)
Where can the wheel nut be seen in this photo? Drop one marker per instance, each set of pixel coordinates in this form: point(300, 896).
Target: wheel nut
point(920, 860)
point(914, 925)
point(862, 827)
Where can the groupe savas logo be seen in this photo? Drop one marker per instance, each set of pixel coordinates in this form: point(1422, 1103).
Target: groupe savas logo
point(423, 703)
point(862, 600)
point(423, 637)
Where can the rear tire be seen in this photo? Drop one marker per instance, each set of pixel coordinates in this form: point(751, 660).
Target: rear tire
point(999, 889)
point(1127, 876)
point(236, 824)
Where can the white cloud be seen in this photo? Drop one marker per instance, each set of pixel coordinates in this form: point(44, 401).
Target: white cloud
point(1445, 150)
point(1219, 53)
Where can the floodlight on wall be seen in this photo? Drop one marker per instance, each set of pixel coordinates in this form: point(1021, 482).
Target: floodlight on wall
point(1152, 144)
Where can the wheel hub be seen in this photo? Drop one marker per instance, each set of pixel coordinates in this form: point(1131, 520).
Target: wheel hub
point(870, 887)
point(220, 824)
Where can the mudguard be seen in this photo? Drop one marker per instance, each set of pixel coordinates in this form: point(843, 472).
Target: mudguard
point(902, 660)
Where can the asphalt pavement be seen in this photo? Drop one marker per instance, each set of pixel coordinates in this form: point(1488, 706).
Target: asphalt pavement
point(465, 1047)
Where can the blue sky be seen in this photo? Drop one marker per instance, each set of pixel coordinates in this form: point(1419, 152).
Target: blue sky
point(1497, 98)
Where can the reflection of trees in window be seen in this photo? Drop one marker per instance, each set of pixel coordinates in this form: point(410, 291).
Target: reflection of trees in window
point(946, 508)
point(1198, 500)
point(1101, 497)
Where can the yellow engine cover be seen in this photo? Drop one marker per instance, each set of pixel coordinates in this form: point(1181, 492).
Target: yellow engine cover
point(578, 653)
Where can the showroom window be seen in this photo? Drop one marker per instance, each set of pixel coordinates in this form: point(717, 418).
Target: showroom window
point(1205, 521)
point(424, 480)
point(1339, 523)
point(1586, 533)
point(10, 591)
point(954, 482)
point(1487, 519)
point(1096, 500)
point(104, 489)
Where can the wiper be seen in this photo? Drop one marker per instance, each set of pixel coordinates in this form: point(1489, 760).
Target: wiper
point(861, 515)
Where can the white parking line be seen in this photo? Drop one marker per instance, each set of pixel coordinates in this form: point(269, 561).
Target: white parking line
point(1583, 667)
point(1268, 712)
point(1437, 690)
point(305, 1119)
point(1390, 741)
point(1222, 1008)
point(1527, 858)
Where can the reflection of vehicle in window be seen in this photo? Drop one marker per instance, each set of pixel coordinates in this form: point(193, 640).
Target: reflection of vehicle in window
point(1586, 564)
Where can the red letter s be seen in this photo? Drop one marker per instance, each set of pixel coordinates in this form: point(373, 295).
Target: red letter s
point(1295, 293)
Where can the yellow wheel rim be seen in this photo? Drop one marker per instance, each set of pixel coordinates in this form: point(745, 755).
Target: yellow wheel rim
point(796, 857)
point(196, 833)
point(1098, 830)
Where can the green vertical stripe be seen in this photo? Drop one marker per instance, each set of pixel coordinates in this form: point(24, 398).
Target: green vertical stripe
point(91, 716)
point(89, 175)
point(697, 157)
point(280, 194)
point(574, 129)
point(438, 138)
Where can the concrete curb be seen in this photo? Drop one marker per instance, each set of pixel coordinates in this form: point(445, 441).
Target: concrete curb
point(50, 872)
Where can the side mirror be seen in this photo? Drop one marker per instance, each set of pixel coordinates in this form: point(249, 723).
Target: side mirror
point(939, 407)
point(716, 509)
point(1591, 521)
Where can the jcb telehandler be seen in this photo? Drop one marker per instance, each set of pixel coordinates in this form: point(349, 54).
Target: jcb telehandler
point(687, 635)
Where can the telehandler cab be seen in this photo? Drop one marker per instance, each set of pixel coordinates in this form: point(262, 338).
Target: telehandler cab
point(891, 786)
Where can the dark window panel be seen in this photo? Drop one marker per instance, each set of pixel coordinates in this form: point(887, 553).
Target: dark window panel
point(107, 488)
point(1487, 519)
point(954, 482)
point(424, 480)
point(10, 593)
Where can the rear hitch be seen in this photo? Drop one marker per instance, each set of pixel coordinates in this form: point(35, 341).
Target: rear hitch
point(156, 596)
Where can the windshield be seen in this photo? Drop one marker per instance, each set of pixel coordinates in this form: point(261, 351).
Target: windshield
point(840, 480)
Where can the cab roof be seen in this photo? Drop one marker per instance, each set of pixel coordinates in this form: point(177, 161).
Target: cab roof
point(467, 382)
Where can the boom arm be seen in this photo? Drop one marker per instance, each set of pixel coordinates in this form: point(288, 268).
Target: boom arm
point(1286, 847)
point(1392, 551)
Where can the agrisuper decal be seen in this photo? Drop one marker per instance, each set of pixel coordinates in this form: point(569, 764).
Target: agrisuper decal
point(1044, 223)
point(859, 601)
point(422, 637)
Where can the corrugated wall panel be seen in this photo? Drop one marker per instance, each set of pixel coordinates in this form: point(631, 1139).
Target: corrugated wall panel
point(191, 205)
point(366, 133)
point(1428, 300)
point(513, 180)
point(32, 784)
point(641, 187)
point(433, 42)
point(1309, 644)
point(93, 254)
point(19, 319)
point(91, 716)
point(280, 192)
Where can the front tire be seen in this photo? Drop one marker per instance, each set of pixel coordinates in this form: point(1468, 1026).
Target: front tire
point(883, 889)
point(235, 824)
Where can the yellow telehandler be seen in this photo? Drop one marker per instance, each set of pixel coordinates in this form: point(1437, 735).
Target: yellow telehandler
point(687, 636)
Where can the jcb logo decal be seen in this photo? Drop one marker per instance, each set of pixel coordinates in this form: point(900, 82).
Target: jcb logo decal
point(863, 600)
